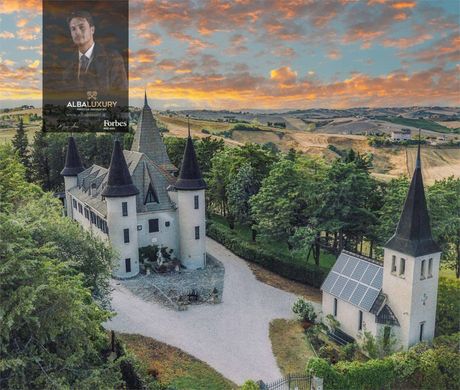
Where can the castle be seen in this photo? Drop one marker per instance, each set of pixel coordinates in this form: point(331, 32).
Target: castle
point(138, 201)
point(399, 296)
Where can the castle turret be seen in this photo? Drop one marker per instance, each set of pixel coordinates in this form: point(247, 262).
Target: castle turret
point(190, 188)
point(72, 168)
point(411, 267)
point(120, 196)
point(148, 140)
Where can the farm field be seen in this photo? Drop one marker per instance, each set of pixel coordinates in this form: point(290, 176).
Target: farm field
point(388, 163)
point(418, 123)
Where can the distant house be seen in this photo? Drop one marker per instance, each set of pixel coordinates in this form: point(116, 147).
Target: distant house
point(397, 296)
point(401, 135)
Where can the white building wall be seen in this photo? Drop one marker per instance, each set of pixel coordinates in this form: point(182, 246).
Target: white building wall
point(69, 182)
point(348, 316)
point(192, 250)
point(86, 223)
point(412, 300)
point(117, 223)
point(167, 235)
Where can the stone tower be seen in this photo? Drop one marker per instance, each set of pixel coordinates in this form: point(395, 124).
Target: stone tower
point(72, 168)
point(190, 188)
point(120, 195)
point(411, 267)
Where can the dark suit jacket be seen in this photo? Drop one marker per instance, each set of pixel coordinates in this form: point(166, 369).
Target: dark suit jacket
point(106, 73)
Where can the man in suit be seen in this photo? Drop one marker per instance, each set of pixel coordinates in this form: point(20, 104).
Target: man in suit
point(94, 67)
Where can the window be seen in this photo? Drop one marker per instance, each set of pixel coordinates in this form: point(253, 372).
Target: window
point(86, 214)
point(197, 232)
point(422, 270)
point(80, 208)
point(402, 267)
point(360, 322)
point(151, 196)
point(420, 337)
point(430, 268)
point(167, 223)
point(386, 336)
point(74, 202)
point(124, 209)
point(128, 265)
point(126, 235)
point(335, 307)
point(196, 199)
point(93, 217)
point(393, 264)
point(98, 221)
point(154, 225)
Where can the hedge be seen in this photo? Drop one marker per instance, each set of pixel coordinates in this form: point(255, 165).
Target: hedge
point(421, 367)
point(306, 273)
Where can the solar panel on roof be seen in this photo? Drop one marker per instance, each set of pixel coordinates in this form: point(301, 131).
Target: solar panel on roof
point(369, 298)
point(348, 269)
point(369, 274)
point(358, 294)
point(348, 289)
point(378, 279)
point(340, 263)
point(339, 285)
point(359, 270)
point(329, 282)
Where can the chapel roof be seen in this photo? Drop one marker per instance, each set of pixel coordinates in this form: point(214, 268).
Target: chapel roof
point(413, 234)
point(355, 279)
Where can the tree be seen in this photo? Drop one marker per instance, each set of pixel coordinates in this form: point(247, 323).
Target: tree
point(346, 211)
point(21, 144)
point(206, 149)
point(51, 334)
point(175, 148)
point(444, 206)
point(239, 190)
point(278, 206)
point(40, 167)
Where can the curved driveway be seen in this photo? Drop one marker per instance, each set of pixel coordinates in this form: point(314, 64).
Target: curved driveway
point(232, 337)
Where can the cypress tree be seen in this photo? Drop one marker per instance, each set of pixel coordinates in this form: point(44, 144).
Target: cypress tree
point(21, 144)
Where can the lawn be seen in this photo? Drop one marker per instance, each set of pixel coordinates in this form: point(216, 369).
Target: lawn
point(173, 367)
point(278, 248)
point(290, 346)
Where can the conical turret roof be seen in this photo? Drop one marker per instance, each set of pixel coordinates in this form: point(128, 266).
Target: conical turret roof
point(73, 165)
point(190, 175)
point(148, 140)
point(413, 234)
point(119, 182)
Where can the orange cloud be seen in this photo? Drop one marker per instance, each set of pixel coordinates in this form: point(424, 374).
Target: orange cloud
point(283, 75)
point(29, 33)
point(404, 43)
point(334, 54)
point(31, 6)
point(6, 35)
point(150, 37)
point(142, 56)
point(404, 4)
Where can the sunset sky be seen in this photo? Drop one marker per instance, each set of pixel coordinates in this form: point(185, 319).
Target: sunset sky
point(264, 54)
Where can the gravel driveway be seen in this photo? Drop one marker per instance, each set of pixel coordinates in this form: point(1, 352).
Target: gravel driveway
point(232, 337)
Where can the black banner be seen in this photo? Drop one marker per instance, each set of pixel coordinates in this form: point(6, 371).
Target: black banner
point(85, 66)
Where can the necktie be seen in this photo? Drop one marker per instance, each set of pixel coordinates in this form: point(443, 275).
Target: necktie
point(83, 64)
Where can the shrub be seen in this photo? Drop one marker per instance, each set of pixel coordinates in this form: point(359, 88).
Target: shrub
point(421, 367)
point(307, 273)
point(329, 353)
point(304, 310)
point(448, 308)
point(348, 351)
point(250, 385)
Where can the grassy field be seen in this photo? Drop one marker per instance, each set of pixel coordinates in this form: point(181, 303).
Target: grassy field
point(276, 247)
point(418, 123)
point(173, 367)
point(290, 346)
